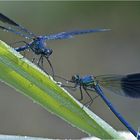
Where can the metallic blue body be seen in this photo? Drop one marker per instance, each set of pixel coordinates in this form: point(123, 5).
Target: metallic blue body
point(117, 114)
point(22, 48)
point(87, 80)
point(38, 46)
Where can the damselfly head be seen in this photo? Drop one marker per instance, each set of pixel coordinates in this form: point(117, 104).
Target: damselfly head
point(48, 51)
point(75, 78)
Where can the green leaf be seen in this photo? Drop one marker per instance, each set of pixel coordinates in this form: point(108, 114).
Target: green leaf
point(21, 74)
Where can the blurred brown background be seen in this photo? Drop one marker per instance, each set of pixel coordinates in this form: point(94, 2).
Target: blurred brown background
point(114, 52)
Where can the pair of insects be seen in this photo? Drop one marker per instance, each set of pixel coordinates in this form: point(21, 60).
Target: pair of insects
point(126, 85)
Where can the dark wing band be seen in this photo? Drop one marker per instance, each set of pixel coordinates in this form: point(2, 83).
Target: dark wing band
point(19, 28)
point(125, 85)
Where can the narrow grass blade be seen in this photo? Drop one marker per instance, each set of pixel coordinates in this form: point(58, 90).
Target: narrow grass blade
point(21, 74)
